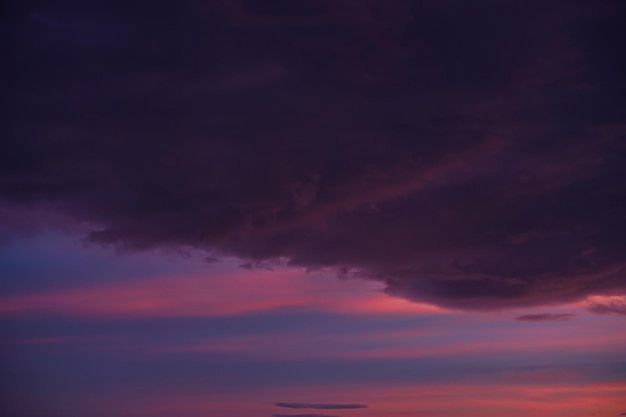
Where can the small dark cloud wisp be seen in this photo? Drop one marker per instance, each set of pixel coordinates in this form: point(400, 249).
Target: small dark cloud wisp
point(302, 415)
point(546, 317)
point(321, 406)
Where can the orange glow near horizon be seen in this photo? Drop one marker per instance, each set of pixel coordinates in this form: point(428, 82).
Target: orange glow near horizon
point(468, 400)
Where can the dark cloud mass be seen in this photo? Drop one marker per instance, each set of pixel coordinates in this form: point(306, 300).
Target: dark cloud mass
point(468, 154)
point(545, 317)
point(321, 406)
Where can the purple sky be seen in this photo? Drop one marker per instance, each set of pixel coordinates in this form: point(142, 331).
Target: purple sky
point(253, 208)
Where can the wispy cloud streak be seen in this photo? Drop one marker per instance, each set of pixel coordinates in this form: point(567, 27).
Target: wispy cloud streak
point(321, 406)
point(546, 317)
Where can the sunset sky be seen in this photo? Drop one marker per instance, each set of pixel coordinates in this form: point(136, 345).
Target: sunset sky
point(313, 208)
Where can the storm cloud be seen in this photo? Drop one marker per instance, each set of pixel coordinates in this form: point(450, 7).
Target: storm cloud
point(466, 155)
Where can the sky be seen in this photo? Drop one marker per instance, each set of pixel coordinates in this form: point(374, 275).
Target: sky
point(313, 208)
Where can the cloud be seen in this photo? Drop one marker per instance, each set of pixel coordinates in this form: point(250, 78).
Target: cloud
point(302, 415)
point(225, 289)
point(321, 406)
point(608, 305)
point(465, 158)
point(546, 317)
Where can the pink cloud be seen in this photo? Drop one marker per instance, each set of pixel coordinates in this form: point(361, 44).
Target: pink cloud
point(607, 305)
point(235, 292)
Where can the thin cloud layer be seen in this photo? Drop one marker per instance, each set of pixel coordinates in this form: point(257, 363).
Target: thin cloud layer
point(608, 305)
point(321, 406)
point(466, 155)
point(546, 317)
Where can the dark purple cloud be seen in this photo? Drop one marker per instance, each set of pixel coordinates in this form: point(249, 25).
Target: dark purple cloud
point(468, 155)
point(546, 317)
point(321, 406)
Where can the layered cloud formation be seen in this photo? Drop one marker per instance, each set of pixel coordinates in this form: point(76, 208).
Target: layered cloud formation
point(469, 156)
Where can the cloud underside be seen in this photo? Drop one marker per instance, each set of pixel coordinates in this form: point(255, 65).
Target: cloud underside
point(471, 160)
point(321, 406)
